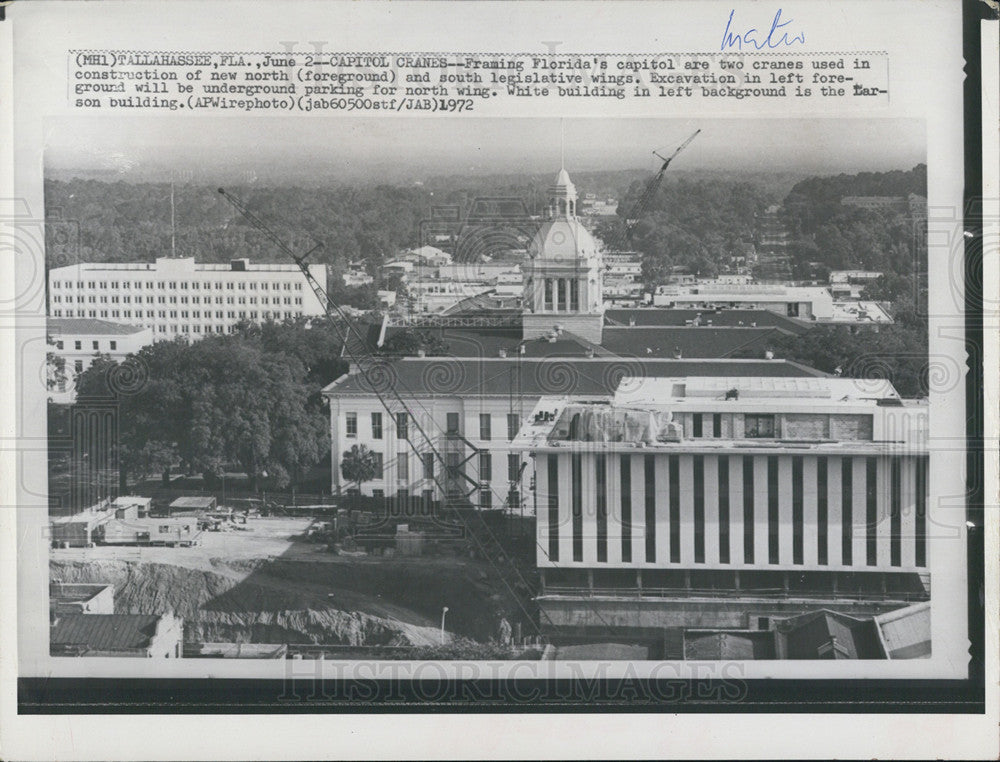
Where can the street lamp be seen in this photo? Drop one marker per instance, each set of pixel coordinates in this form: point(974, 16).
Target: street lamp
point(443, 612)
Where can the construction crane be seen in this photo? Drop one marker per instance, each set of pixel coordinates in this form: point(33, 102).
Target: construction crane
point(387, 391)
point(638, 209)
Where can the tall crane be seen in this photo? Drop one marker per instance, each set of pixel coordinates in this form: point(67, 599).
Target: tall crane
point(638, 209)
point(386, 388)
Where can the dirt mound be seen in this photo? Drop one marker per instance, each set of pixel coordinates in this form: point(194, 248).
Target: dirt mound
point(249, 604)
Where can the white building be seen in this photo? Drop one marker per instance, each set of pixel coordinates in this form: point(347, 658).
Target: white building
point(178, 297)
point(700, 501)
point(466, 405)
point(79, 341)
point(806, 302)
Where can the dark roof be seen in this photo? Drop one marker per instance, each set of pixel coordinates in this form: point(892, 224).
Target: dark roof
point(638, 341)
point(650, 316)
point(193, 501)
point(740, 645)
point(828, 634)
point(104, 632)
point(90, 327)
point(701, 342)
point(451, 376)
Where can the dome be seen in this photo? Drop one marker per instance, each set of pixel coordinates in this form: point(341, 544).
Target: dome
point(562, 238)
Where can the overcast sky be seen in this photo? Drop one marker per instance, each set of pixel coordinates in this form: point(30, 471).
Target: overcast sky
point(386, 149)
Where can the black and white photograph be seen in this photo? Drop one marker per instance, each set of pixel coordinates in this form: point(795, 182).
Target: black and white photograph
point(472, 379)
point(554, 389)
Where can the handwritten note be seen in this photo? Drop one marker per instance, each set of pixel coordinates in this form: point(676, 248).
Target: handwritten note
point(733, 38)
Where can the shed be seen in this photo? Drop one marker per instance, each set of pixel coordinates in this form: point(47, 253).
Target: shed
point(182, 530)
point(192, 503)
point(81, 529)
point(132, 506)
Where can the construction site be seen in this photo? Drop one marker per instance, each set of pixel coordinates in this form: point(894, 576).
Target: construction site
point(282, 581)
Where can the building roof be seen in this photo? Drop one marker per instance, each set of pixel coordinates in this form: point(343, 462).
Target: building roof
point(700, 342)
point(734, 644)
point(450, 376)
point(906, 633)
point(826, 634)
point(90, 327)
point(657, 316)
point(104, 632)
point(193, 502)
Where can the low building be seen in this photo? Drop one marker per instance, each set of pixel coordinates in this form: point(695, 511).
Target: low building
point(725, 503)
point(79, 341)
point(82, 529)
point(81, 598)
point(192, 504)
point(132, 506)
point(138, 635)
point(806, 302)
point(172, 532)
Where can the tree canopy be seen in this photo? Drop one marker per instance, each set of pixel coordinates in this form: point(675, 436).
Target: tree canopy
point(250, 398)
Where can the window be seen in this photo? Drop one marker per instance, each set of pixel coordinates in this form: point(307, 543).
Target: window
point(428, 458)
point(717, 425)
point(402, 426)
point(78, 366)
point(513, 424)
point(403, 467)
point(485, 467)
point(758, 426)
point(377, 460)
point(114, 344)
point(485, 499)
point(485, 426)
point(77, 345)
point(513, 465)
point(59, 345)
point(452, 423)
point(352, 424)
point(376, 425)
point(164, 529)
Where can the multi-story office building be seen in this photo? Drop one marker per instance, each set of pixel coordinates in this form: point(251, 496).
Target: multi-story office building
point(727, 503)
point(178, 297)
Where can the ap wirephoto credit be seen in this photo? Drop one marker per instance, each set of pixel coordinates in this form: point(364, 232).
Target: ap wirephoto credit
point(492, 389)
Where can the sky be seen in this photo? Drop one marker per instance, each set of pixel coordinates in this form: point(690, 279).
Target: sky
point(345, 149)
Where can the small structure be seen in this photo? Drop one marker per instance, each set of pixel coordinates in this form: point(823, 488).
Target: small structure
point(81, 598)
point(192, 504)
point(827, 634)
point(906, 632)
point(82, 529)
point(140, 635)
point(183, 531)
point(132, 506)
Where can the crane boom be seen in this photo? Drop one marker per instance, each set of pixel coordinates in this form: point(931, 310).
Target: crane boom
point(638, 209)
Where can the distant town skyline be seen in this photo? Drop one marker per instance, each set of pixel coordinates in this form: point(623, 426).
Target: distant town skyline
point(280, 149)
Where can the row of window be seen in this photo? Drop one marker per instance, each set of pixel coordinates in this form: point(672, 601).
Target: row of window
point(172, 285)
point(452, 425)
point(196, 314)
point(112, 345)
point(114, 299)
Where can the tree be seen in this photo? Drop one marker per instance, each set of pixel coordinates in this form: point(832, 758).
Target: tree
point(55, 367)
point(409, 341)
point(359, 465)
